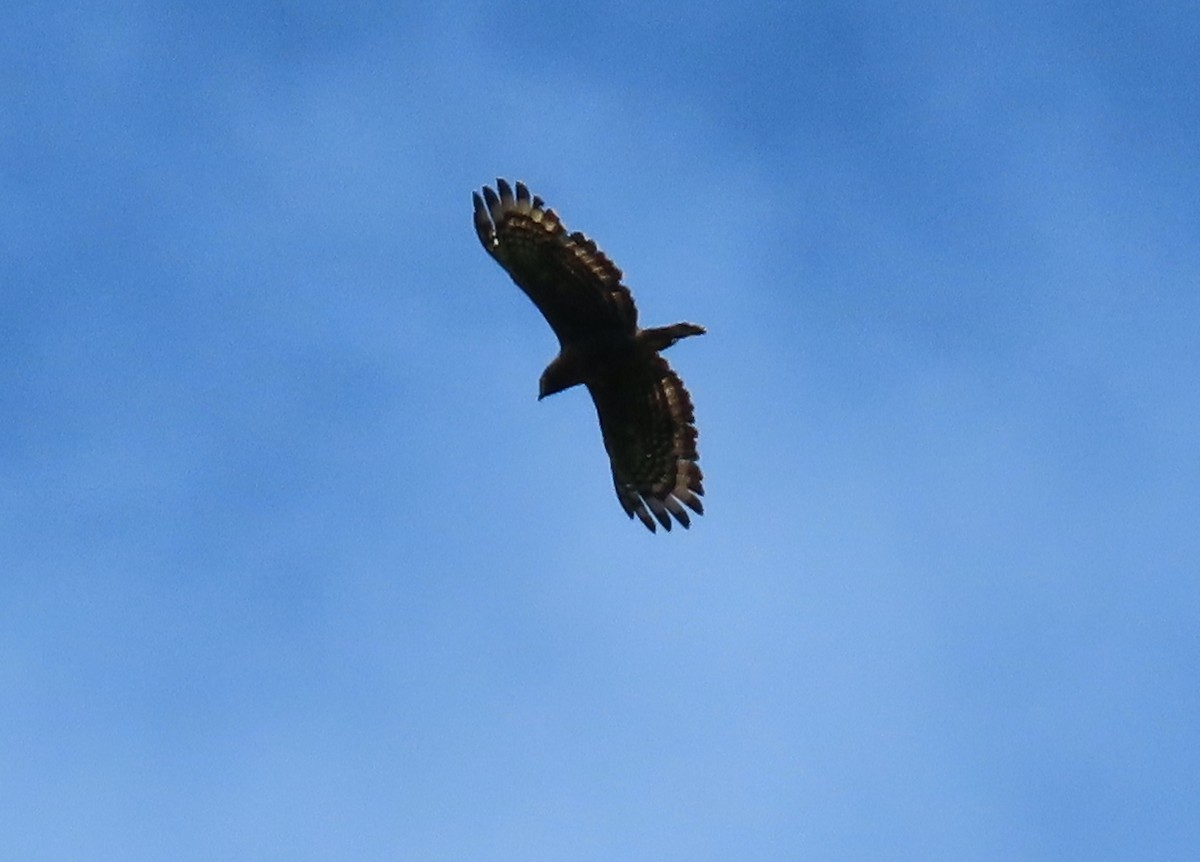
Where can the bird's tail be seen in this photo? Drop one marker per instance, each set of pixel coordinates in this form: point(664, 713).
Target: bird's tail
point(662, 337)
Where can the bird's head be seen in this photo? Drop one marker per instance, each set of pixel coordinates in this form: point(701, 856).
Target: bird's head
point(548, 386)
point(562, 373)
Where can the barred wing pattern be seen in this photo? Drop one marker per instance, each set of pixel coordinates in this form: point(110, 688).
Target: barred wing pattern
point(645, 413)
point(647, 421)
point(577, 289)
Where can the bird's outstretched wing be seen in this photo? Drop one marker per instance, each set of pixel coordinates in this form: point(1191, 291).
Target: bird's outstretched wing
point(648, 425)
point(577, 289)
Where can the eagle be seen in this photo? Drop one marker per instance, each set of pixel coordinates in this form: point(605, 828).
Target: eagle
point(646, 415)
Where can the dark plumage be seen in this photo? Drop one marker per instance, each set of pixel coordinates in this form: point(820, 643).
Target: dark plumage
point(645, 412)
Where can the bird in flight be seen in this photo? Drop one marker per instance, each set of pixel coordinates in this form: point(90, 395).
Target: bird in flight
point(645, 413)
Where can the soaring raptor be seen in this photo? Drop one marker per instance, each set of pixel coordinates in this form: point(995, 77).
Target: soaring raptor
point(645, 412)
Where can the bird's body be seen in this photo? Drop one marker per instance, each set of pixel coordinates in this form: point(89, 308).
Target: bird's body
point(645, 412)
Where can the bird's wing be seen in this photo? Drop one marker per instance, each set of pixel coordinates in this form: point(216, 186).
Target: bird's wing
point(577, 289)
point(647, 420)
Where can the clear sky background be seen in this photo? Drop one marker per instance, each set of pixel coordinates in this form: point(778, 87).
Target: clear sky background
point(294, 566)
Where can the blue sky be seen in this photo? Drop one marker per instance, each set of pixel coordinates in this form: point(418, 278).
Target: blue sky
point(295, 566)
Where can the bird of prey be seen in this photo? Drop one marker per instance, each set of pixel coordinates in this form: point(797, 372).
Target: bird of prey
point(645, 412)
